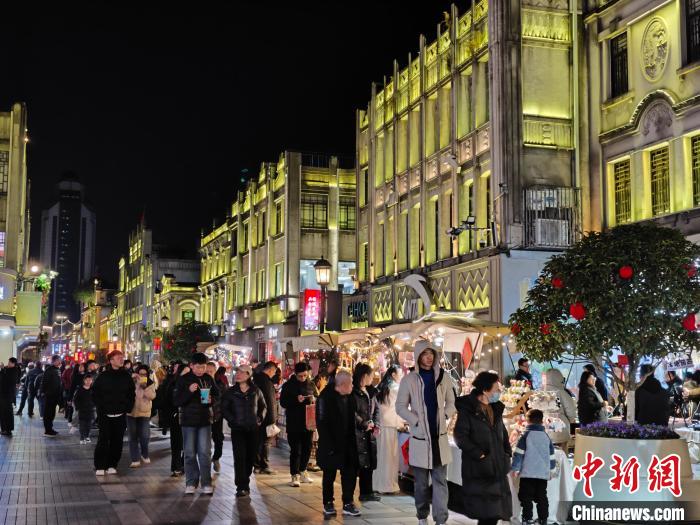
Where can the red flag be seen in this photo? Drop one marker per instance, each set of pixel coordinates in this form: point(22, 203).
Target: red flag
point(467, 352)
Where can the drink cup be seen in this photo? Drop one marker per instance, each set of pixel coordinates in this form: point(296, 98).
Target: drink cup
point(204, 395)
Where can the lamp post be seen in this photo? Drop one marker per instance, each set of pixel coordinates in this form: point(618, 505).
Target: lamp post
point(323, 277)
point(165, 323)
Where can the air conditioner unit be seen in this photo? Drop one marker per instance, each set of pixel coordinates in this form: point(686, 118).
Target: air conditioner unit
point(552, 232)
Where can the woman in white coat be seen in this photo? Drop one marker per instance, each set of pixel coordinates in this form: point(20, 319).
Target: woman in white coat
point(554, 382)
point(385, 477)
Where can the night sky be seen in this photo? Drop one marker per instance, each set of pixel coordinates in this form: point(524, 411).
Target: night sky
point(161, 110)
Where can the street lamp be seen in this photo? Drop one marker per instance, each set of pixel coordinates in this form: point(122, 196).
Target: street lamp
point(164, 322)
point(323, 277)
point(215, 332)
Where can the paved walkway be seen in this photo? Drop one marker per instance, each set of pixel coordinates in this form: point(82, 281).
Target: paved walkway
point(44, 480)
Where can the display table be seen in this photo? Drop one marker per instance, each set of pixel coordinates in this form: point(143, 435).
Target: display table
point(559, 489)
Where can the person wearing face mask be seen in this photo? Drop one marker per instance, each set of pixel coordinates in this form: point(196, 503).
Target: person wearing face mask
point(426, 400)
point(138, 420)
point(483, 440)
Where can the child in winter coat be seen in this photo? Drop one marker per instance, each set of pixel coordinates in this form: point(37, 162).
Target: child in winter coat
point(83, 403)
point(533, 460)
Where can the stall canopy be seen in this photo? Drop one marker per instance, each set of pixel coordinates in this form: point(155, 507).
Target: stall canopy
point(313, 342)
point(360, 335)
point(211, 351)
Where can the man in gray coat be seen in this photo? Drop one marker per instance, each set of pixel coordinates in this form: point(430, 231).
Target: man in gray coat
point(426, 400)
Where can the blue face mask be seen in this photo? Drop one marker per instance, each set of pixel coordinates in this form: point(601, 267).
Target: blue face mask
point(496, 396)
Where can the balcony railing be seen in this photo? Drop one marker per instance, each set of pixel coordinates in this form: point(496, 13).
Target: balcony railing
point(551, 216)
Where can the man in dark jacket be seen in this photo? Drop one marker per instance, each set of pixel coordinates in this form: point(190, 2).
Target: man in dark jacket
point(651, 401)
point(114, 395)
point(337, 446)
point(169, 420)
point(523, 371)
point(296, 394)
point(193, 396)
point(34, 369)
point(51, 392)
point(217, 426)
point(8, 395)
point(263, 380)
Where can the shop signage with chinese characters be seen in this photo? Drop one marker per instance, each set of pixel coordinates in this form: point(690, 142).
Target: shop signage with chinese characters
point(678, 361)
point(312, 309)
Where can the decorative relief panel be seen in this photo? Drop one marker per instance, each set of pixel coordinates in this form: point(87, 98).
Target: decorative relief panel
point(432, 169)
point(654, 49)
point(550, 4)
point(473, 289)
point(403, 295)
point(415, 177)
point(441, 285)
point(381, 304)
point(403, 183)
point(464, 24)
point(465, 149)
point(547, 132)
point(482, 140)
point(480, 9)
point(379, 197)
point(658, 116)
point(546, 25)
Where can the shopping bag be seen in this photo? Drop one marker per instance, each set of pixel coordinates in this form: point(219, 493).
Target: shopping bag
point(404, 451)
point(311, 416)
point(272, 430)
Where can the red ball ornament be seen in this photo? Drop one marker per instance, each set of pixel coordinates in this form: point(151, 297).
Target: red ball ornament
point(691, 270)
point(626, 272)
point(557, 282)
point(515, 329)
point(545, 328)
point(577, 311)
point(690, 322)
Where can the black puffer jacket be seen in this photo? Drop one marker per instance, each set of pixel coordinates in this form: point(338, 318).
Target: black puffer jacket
point(336, 435)
point(590, 406)
point(651, 403)
point(83, 403)
point(264, 383)
point(296, 411)
point(192, 412)
point(51, 387)
point(244, 411)
point(484, 480)
point(366, 409)
point(30, 380)
point(113, 392)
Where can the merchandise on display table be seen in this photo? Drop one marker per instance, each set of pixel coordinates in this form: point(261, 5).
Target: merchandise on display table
point(515, 396)
point(544, 401)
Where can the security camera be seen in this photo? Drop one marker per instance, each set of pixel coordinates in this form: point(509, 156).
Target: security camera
point(451, 159)
point(454, 232)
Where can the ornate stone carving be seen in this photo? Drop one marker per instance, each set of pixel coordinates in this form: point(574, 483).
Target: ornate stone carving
point(550, 4)
point(654, 49)
point(547, 132)
point(546, 25)
point(658, 116)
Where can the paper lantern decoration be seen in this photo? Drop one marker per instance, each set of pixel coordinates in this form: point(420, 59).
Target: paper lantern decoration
point(691, 270)
point(577, 311)
point(626, 272)
point(515, 329)
point(545, 328)
point(690, 322)
point(557, 282)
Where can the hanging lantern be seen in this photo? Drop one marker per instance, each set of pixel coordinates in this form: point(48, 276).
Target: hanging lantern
point(515, 329)
point(545, 328)
point(577, 311)
point(557, 282)
point(690, 322)
point(691, 270)
point(626, 272)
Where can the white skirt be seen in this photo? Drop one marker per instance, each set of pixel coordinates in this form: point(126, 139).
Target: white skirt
point(386, 477)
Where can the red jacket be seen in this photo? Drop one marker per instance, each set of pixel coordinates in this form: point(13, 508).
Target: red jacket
point(67, 378)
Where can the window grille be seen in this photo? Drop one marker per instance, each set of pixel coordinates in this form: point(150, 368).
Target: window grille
point(660, 187)
point(623, 192)
point(618, 65)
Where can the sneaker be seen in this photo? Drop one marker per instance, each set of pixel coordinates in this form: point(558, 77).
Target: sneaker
point(111, 470)
point(349, 509)
point(18, 413)
point(268, 471)
point(189, 489)
point(305, 478)
point(51, 433)
point(82, 442)
point(72, 430)
point(242, 493)
point(370, 497)
point(135, 464)
point(208, 490)
point(329, 509)
point(88, 440)
point(146, 460)
point(99, 472)
point(217, 465)
point(423, 521)
point(295, 481)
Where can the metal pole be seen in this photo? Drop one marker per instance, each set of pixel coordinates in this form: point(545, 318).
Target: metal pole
point(322, 324)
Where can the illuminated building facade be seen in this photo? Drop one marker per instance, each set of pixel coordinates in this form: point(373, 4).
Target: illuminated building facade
point(481, 129)
point(176, 302)
point(14, 234)
point(254, 267)
point(139, 278)
point(644, 70)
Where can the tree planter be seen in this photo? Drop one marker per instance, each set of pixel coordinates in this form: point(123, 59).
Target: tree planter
point(643, 450)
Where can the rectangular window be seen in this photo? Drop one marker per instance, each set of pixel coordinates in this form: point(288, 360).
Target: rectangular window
point(234, 243)
point(623, 192)
point(692, 16)
point(279, 279)
point(4, 170)
point(261, 285)
point(246, 238)
point(346, 212)
point(245, 289)
point(278, 217)
point(660, 183)
point(261, 228)
point(365, 262)
point(188, 316)
point(618, 66)
point(314, 211)
point(695, 166)
point(364, 195)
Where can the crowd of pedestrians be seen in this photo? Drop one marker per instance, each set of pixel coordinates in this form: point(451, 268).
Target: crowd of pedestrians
point(352, 425)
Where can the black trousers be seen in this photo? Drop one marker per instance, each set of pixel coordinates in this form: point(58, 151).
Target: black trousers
point(7, 415)
point(348, 475)
point(177, 460)
point(534, 490)
point(22, 401)
point(217, 436)
point(50, 404)
point(261, 458)
point(110, 441)
point(245, 448)
point(299, 450)
point(488, 521)
point(68, 404)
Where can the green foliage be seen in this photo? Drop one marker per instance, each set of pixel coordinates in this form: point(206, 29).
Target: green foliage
point(85, 293)
point(181, 341)
point(642, 315)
